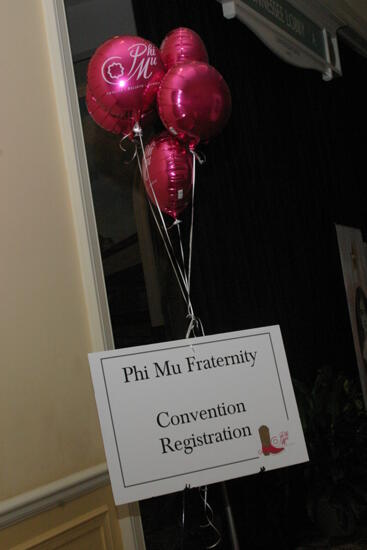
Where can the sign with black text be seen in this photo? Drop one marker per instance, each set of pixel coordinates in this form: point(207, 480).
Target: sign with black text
point(196, 411)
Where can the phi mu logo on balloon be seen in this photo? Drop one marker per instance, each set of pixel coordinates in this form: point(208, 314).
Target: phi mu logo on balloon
point(143, 57)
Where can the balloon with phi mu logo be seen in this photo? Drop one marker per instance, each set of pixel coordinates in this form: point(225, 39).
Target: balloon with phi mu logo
point(124, 75)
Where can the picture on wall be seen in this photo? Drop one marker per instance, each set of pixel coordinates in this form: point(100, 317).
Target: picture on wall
point(353, 258)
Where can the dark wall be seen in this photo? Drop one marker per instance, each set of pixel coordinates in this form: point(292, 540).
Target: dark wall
point(290, 164)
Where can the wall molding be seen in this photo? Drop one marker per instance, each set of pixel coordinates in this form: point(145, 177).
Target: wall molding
point(95, 521)
point(32, 503)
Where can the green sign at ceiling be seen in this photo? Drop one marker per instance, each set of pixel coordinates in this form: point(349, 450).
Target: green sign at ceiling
point(292, 21)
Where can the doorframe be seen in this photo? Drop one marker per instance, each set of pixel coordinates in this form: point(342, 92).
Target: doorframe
point(83, 213)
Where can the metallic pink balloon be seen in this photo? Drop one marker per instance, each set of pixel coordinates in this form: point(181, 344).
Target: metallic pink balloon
point(124, 74)
point(113, 124)
point(169, 164)
point(122, 124)
point(182, 45)
point(194, 102)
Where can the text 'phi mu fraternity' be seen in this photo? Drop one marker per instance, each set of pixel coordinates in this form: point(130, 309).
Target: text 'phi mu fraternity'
point(190, 365)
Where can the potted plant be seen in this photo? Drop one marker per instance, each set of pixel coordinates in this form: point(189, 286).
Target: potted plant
point(335, 424)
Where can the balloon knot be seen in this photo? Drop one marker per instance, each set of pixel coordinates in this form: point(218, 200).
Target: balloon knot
point(193, 319)
point(176, 222)
point(200, 157)
point(137, 130)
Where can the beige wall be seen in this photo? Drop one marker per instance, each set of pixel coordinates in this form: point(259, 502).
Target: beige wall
point(48, 422)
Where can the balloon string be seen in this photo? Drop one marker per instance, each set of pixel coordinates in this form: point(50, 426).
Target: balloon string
point(180, 271)
point(168, 245)
point(190, 311)
point(194, 321)
point(183, 518)
point(192, 218)
point(201, 158)
point(125, 136)
point(184, 282)
point(138, 132)
point(169, 252)
point(182, 253)
point(209, 516)
point(173, 224)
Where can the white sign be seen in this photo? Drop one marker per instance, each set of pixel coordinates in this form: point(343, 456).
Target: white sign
point(197, 411)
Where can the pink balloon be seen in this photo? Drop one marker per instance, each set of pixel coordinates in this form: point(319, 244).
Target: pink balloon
point(113, 124)
point(124, 75)
point(194, 101)
point(169, 164)
point(182, 45)
point(122, 124)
